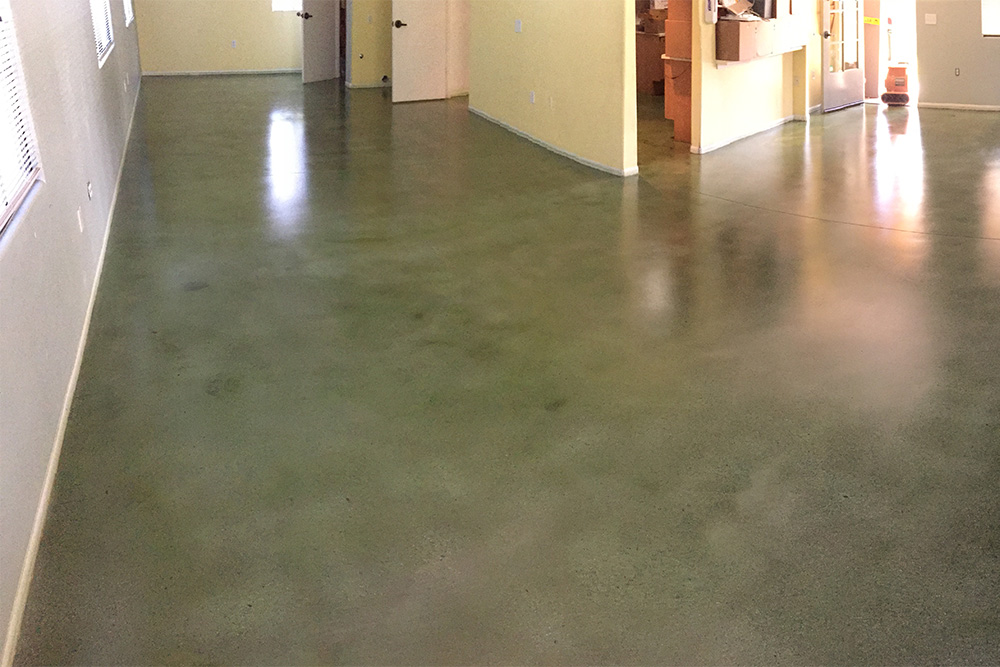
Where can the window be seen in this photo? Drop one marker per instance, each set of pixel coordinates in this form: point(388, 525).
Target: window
point(129, 12)
point(286, 5)
point(100, 13)
point(18, 154)
point(991, 18)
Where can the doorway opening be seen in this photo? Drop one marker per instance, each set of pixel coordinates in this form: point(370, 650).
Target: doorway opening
point(890, 34)
point(663, 78)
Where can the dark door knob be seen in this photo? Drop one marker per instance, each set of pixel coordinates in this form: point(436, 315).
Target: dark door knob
point(826, 34)
point(305, 15)
point(398, 23)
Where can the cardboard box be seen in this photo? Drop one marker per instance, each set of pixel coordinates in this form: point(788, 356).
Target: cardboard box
point(736, 6)
point(734, 41)
point(651, 26)
point(677, 42)
point(680, 10)
point(677, 97)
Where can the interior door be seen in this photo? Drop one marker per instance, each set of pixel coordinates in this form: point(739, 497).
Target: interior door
point(419, 50)
point(320, 40)
point(843, 54)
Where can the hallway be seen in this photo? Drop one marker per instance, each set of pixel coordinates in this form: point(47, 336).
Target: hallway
point(390, 385)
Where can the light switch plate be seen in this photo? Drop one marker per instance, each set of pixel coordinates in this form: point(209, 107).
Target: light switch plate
point(930, 19)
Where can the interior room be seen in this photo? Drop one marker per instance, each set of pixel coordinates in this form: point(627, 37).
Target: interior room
point(325, 340)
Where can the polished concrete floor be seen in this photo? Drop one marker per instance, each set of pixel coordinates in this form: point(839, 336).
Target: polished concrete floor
point(375, 384)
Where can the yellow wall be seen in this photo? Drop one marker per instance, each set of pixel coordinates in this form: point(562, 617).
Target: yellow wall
point(196, 36)
point(370, 42)
point(458, 47)
point(578, 56)
point(733, 101)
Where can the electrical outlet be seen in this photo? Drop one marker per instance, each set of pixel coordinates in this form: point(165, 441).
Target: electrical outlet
point(369, 18)
point(90, 190)
point(517, 25)
point(958, 72)
point(531, 97)
point(234, 43)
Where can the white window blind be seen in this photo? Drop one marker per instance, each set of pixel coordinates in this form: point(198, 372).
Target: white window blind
point(129, 12)
point(18, 154)
point(286, 5)
point(100, 13)
point(991, 17)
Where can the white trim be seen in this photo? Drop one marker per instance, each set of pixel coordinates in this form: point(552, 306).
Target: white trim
point(358, 86)
point(962, 107)
point(816, 109)
point(700, 150)
point(293, 70)
point(28, 567)
point(628, 171)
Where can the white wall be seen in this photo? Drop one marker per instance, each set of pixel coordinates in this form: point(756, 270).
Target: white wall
point(48, 266)
point(956, 41)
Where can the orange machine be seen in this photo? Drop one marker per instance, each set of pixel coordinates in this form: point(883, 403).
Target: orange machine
point(896, 91)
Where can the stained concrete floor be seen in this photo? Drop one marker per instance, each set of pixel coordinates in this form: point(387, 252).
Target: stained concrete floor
point(375, 384)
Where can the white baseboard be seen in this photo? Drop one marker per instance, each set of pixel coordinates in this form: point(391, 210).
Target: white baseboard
point(225, 72)
point(815, 109)
point(628, 171)
point(700, 150)
point(34, 542)
point(359, 86)
point(959, 107)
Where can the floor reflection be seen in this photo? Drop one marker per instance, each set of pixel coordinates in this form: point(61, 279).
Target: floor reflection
point(286, 171)
point(989, 196)
point(899, 168)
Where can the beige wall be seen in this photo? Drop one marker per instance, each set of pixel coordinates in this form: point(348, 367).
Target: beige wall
point(956, 41)
point(369, 42)
point(49, 261)
point(178, 36)
point(578, 56)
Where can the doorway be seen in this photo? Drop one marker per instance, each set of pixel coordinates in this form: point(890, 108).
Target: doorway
point(663, 77)
point(890, 42)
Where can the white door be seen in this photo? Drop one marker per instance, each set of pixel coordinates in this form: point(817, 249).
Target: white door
point(320, 40)
point(419, 50)
point(843, 54)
